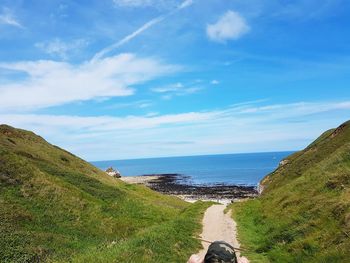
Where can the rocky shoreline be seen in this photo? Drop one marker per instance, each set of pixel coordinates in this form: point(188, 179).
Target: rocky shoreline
point(172, 184)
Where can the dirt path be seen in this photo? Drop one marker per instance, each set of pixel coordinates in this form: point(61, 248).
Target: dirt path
point(219, 226)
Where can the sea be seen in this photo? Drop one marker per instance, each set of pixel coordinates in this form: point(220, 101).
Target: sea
point(229, 169)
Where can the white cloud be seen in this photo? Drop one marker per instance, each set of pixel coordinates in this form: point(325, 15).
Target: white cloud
point(8, 18)
point(153, 3)
point(141, 104)
point(185, 4)
point(103, 123)
point(169, 88)
point(133, 3)
point(50, 83)
point(234, 129)
point(59, 48)
point(230, 26)
point(215, 82)
point(176, 89)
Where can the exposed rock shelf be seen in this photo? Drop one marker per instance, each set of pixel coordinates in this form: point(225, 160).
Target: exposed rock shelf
point(171, 184)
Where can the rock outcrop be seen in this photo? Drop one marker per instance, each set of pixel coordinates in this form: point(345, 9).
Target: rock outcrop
point(284, 162)
point(113, 172)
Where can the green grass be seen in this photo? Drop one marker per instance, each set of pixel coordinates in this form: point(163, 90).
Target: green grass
point(304, 212)
point(56, 207)
point(168, 242)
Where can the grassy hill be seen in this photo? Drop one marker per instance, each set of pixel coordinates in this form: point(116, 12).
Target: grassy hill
point(56, 207)
point(303, 214)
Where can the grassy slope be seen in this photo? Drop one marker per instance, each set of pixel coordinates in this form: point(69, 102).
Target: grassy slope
point(57, 207)
point(304, 212)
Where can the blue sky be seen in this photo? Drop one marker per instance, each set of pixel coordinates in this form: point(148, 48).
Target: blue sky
point(117, 79)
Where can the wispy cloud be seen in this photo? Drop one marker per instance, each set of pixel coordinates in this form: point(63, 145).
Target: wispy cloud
point(129, 37)
point(8, 18)
point(50, 83)
point(140, 30)
point(151, 3)
point(305, 9)
point(169, 88)
point(133, 3)
point(176, 89)
point(185, 4)
point(249, 103)
point(230, 26)
point(296, 11)
point(62, 49)
point(246, 127)
point(105, 123)
point(141, 104)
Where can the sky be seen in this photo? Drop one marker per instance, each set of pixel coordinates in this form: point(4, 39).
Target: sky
point(122, 79)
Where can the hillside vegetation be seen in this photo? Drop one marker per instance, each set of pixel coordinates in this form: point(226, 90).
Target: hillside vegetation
point(303, 214)
point(56, 207)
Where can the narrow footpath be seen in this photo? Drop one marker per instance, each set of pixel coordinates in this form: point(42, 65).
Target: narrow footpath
point(219, 226)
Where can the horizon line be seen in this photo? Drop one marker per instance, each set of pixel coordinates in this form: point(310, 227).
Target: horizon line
point(194, 155)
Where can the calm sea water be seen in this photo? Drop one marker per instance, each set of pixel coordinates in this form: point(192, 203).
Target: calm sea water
point(242, 169)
